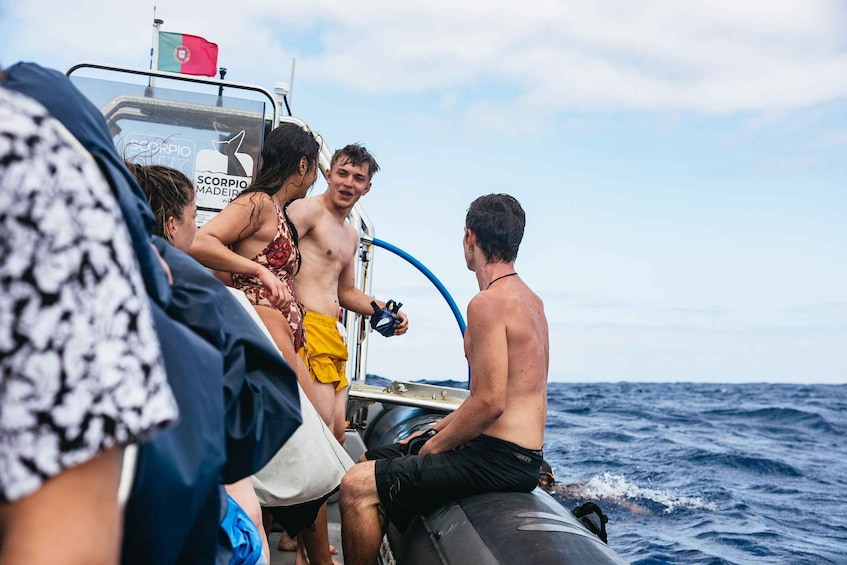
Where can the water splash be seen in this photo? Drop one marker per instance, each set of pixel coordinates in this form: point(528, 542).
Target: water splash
point(616, 489)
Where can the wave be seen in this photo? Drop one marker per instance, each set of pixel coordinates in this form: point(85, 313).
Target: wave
point(756, 465)
point(777, 416)
point(616, 489)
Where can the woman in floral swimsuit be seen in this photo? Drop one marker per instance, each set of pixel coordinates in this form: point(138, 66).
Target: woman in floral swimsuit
point(253, 240)
point(281, 258)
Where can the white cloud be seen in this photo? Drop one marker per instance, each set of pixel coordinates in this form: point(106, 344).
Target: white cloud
point(596, 54)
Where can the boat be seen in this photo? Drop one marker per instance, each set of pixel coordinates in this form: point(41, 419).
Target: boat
point(212, 130)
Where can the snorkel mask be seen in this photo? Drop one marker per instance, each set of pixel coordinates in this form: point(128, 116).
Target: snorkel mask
point(385, 319)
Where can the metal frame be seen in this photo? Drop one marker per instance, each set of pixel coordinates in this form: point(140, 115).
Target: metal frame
point(211, 81)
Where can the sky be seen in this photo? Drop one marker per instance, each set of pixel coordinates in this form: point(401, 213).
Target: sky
point(682, 163)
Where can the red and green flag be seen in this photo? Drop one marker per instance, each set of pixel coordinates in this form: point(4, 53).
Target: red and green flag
point(187, 54)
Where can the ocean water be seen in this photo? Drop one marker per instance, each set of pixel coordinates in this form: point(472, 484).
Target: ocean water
point(706, 473)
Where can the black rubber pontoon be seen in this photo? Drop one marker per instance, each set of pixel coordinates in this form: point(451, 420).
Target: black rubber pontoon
point(487, 529)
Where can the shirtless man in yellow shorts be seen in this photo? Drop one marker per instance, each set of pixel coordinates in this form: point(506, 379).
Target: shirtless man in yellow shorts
point(326, 279)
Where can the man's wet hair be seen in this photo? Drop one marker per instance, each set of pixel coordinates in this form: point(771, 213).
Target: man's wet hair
point(356, 155)
point(498, 222)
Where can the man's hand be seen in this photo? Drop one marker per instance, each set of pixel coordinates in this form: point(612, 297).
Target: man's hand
point(414, 435)
point(276, 291)
point(403, 325)
point(415, 443)
point(428, 449)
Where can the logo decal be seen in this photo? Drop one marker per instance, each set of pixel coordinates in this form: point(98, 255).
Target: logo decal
point(182, 54)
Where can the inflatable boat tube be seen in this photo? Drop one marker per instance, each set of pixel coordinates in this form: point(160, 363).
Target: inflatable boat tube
point(499, 529)
point(487, 529)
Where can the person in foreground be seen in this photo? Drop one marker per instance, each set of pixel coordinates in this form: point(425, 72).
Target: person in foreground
point(81, 376)
point(493, 441)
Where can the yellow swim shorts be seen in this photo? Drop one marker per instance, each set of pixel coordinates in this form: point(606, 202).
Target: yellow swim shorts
point(325, 353)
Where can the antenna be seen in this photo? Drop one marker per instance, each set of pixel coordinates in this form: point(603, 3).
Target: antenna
point(291, 85)
point(282, 91)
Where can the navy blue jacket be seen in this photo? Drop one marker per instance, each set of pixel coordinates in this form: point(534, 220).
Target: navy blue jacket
point(237, 397)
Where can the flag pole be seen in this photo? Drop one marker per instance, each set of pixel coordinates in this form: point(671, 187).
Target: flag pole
point(222, 71)
point(154, 49)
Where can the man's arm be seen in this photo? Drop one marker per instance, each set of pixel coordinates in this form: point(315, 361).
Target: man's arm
point(74, 518)
point(353, 299)
point(487, 349)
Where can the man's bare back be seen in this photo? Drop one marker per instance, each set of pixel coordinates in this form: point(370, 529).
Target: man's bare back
point(510, 311)
point(498, 429)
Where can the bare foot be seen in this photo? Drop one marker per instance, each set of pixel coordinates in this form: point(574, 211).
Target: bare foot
point(286, 543)
point(332, 550)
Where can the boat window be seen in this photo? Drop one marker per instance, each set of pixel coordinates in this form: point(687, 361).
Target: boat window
point(215, 140)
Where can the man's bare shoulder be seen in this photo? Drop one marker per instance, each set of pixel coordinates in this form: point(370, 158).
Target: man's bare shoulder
point(485, 308)
point(502, 307)
point(352, 231)
point(303, 204)
point(305, 213)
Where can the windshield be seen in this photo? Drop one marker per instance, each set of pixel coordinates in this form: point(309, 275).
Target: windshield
point(215, 140)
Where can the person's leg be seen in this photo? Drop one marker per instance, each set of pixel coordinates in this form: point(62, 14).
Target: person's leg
point(315, 539)
point(73, 518)
point(281, 333)
point(323, 395)
point(242, 492)
point(340, 425)
point(361, 521)
point(302, 557)
point(314, 545)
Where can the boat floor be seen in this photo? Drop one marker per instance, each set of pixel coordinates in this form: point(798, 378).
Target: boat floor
point(287, 557)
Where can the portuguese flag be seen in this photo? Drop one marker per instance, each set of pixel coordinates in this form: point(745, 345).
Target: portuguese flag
point(187, 54)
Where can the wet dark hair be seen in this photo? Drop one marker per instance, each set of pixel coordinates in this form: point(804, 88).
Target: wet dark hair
point(281, 153)
point(498, 222)
point(283, 148)
point(168, 191)
point(356, 155)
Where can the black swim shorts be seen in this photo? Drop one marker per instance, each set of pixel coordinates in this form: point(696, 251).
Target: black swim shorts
point(415, 484)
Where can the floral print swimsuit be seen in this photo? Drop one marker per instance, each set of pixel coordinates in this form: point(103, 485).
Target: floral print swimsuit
point(281, 258)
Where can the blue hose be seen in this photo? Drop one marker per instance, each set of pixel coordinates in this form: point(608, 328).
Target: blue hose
point(434, 280)
point(428, 274)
